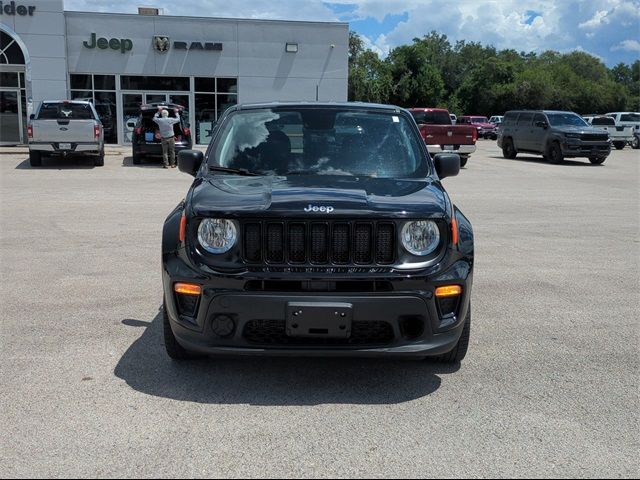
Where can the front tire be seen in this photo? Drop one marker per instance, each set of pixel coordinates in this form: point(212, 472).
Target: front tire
point(508, 150)
point(35, 158)
point(555, 155)
point(460, 350)
point(174, 349)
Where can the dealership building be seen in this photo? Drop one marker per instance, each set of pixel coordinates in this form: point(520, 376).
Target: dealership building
point(121, 61)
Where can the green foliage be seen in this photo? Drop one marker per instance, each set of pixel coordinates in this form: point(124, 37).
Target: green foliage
point(471, 78)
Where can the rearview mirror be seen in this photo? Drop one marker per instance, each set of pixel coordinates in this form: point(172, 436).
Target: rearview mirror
point(447, 164)
point(32, 116)
point(189, 161)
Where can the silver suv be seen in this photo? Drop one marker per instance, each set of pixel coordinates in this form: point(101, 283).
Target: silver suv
point(555, 135)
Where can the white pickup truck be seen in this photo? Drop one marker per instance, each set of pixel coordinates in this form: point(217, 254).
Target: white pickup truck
point(65, 128)
point(628, 119)
point(620, 135)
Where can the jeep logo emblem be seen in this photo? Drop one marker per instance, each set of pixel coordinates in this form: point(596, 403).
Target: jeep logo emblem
point(315, 208)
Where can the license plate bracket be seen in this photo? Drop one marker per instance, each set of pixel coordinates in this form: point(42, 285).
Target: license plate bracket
point(64, 146)
point(319, 319)
point(447, 147)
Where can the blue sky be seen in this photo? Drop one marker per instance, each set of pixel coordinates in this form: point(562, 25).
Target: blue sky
point(608, 29)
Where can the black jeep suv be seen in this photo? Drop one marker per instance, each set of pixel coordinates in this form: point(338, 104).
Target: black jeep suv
point(146, 140)
point(555, 135)
point(317, 229)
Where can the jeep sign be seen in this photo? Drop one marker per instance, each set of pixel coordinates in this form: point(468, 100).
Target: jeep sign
point(122, 44)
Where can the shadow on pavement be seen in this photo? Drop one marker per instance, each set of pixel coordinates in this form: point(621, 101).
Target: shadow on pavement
point(59, 163)
point(565, 163)
point(272, 381)
point(151, 162)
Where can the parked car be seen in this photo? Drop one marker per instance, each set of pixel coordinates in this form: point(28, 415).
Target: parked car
point(348, 245)
point(496, 119)
point(628, 119)
point(482, 124)
point(556, 135)
point(441, 136)
point(619, 135)
point(65, 128)
point(145, 138)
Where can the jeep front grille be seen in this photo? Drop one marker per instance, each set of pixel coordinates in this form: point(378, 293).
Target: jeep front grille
point(594, 137)
point(306, 242)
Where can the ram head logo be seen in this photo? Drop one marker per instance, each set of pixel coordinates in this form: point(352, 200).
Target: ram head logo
point(161, 43)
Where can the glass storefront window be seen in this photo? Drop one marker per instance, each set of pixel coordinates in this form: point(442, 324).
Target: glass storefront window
point(130, 109)
point(105, 103)
point(81, 95)
point(171, 84)
point(80, 82)
point(227, 85)
point(9, 79)
point(226, 101)
point(104, 82)
point(205, 84)
point(205, 117)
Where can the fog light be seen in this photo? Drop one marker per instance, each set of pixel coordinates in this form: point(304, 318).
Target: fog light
point(223, 325)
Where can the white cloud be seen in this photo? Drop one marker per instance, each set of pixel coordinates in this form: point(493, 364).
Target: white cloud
point(628, 46)
point(598, 19)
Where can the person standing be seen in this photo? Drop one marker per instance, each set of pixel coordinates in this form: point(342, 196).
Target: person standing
point(166, 123)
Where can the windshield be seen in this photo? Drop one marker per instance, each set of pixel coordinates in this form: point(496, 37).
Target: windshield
point(320, 141)
point(479, 120)
point(432, 118)
point(566, 119)
point(630, 117)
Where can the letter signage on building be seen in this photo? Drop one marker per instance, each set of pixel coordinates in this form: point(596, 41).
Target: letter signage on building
point(11, 9)
point(122, 44)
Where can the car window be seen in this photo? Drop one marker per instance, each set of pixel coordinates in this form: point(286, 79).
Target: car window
point(70, 111)
point(603, 121)
point(566, 119)
point(432, 118)
point(510, 119)
point(538, 117)
point(320, 141)
point(630, 117)
point(479, 120)
point(525, 119)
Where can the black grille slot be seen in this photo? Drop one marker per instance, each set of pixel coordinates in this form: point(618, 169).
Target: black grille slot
point(385, 243)
point(275, 243)
point(362, 243)
point(252, 242)
point(340, 243)
point(319, 243)
point(594, 137)
point(297, 243)
point(187, 304)
point(272, 333)
point(301, 243)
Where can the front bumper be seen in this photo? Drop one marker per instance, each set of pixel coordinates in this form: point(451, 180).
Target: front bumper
point(586, 149)
point(402, 320)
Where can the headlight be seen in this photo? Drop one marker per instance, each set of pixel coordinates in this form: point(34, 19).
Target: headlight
point(217, 235)
point(420, 238)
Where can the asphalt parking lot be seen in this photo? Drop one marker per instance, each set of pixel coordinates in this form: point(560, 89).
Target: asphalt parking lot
point(549, 388)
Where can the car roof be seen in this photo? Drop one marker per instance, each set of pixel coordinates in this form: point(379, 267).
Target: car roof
point(358, 105)
point(417, 109)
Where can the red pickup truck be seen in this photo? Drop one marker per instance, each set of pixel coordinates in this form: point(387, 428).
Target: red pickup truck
point(441, 136)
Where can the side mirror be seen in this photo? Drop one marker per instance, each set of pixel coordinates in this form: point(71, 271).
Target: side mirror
point(544, 125)
point(32, 116)
point(447, 164)
point(189, 161)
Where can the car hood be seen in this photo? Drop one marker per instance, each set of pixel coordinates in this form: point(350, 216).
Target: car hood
point(484, 125)
point(578, 129)
point(297, 195)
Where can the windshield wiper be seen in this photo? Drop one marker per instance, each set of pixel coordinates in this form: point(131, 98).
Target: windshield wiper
point(302, 172)
point(237, 171)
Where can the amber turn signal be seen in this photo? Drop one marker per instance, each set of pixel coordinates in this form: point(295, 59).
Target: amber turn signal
point(454, 231)
point(183, 227)
point(187, 288)
point(448, 291)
